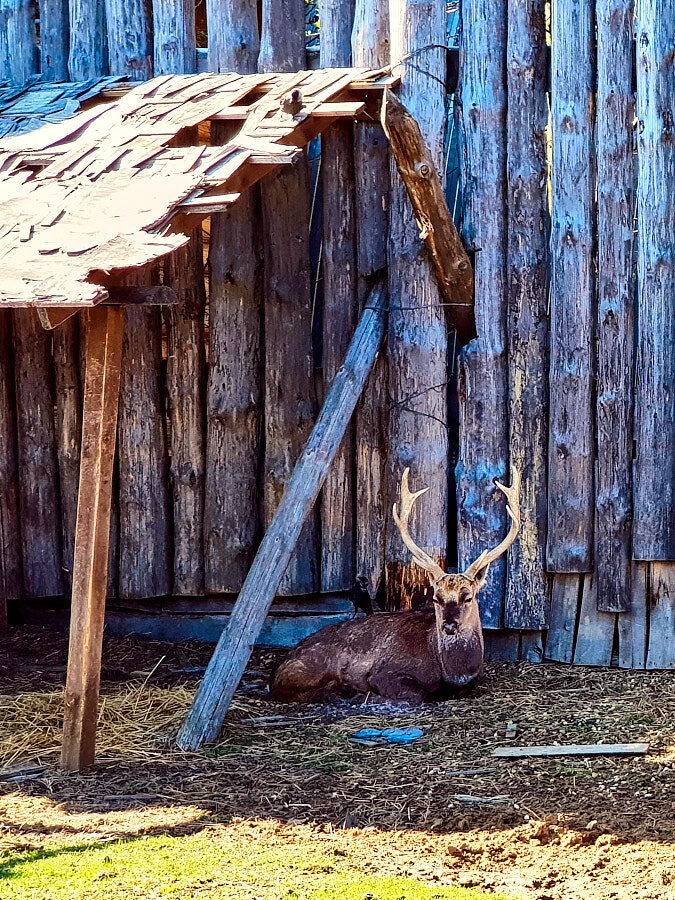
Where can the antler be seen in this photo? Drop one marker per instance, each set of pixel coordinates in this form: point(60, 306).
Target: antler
point(512, 495)
point(407, 502)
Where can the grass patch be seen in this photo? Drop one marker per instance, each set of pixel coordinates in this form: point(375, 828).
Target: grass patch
point(204, 865)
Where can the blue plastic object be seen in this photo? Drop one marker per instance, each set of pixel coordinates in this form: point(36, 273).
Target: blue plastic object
point(387, 736)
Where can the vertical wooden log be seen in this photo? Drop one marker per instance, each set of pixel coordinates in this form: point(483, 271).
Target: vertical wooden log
point(129, 28)
point(614, 328)
point(654, 468)
point(570, 446)
point(68, 427)
point(38, 475)
point(101, 391)
point(88, 40)
point(234, 391)
point(340, 300)
point(661, 650)
point(145, 564)
point(565, 601)
point(54, 43)
point(595, 631)
point(417, 339)
point(18, 40)
point(527, 588)
point(10, 533)
point(290, 402)
point(482, 388)
point(370, 48)
point(175, 43)
point(176, 51)
point(633, 624)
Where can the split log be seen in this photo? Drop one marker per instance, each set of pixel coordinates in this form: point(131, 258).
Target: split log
point(614, 326)
point(527, 600)
point(101, 392)
point(289, 394)
point(54, 43)
point(565, 604)
point(633, 625)
point(661, 650)
point(233, 650)
point(482, 381)
point(595, 630)
point(68, 427)
point(18, 41)
point(417, 337)
point(176, 51)
point(570, 443)
point(370, 48)
point(145, 564)
point(654, 467)
point(129, 28)
point(338, 268)
point(234, 390)
point(38, 474)
point(10, 531)
point(88, 40)
point(447, 256)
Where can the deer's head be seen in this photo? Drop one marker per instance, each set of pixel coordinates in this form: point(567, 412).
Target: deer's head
point(455, 595)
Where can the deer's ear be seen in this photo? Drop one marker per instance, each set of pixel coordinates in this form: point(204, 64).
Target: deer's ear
point(481, 577)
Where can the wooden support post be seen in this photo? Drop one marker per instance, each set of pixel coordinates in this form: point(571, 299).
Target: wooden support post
point(54, 40)
point(101, 393)
point(229, 660)
point(18, 41)
point(88, 56)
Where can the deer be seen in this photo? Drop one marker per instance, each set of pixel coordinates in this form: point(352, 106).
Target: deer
point(412, 656)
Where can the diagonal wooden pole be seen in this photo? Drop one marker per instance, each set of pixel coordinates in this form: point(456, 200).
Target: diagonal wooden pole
point(233, 650)
point(105, 329)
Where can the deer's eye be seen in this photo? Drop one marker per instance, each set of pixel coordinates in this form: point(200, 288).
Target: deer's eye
point(465, 597)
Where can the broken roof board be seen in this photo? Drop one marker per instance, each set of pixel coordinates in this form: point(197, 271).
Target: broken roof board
point(97, 192)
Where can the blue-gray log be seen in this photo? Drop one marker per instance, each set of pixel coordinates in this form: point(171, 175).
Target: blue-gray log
point(654, 467)
point(233, 650)
point(570, 442)
point(616, 300)
point(483, 387)
point(527, 599)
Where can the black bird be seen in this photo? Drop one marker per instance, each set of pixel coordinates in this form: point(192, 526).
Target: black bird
point(360, 597)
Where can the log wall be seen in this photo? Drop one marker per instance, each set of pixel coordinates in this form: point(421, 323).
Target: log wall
point(567, 166)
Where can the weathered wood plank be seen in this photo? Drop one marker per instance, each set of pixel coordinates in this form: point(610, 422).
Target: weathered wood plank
point(234, 388)
point(531, 646)
point(632, 625)
point(142, 295)
point(570, 444)
point(54, 40)
point(565, 602)
point(595, 631)
point(447, 256)
point(289, 395)
point(68, 429)
point(661, 650)
point(101, 392)
point(185, 385)
point(417, 345)
point(614, 326)
point(176, 51)
point(482, 387)
point(10, 532)
point(18, 41)
point(129, 28)
point(38, 473)
point(232, 652)
point(654, 467)
point(338, 262)
point(572, 750)
point(88, 56)
point(145, 563)
point(527, 601)
point(370, 48)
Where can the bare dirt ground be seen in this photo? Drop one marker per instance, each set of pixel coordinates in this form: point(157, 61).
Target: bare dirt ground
point(441, 809)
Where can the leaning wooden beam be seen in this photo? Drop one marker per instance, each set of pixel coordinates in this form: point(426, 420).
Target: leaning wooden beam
point(234, 647)
point(449, 260)
point(101, 392)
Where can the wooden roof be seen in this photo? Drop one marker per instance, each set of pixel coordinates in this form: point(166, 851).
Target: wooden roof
point(109, 188)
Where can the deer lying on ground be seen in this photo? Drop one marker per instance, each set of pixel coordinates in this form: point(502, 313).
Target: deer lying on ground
point(409, 656)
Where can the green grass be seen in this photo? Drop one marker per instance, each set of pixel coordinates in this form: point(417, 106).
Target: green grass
point(201, 866)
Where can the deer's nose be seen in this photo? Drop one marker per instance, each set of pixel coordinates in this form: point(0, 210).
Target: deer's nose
point(450, 628)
